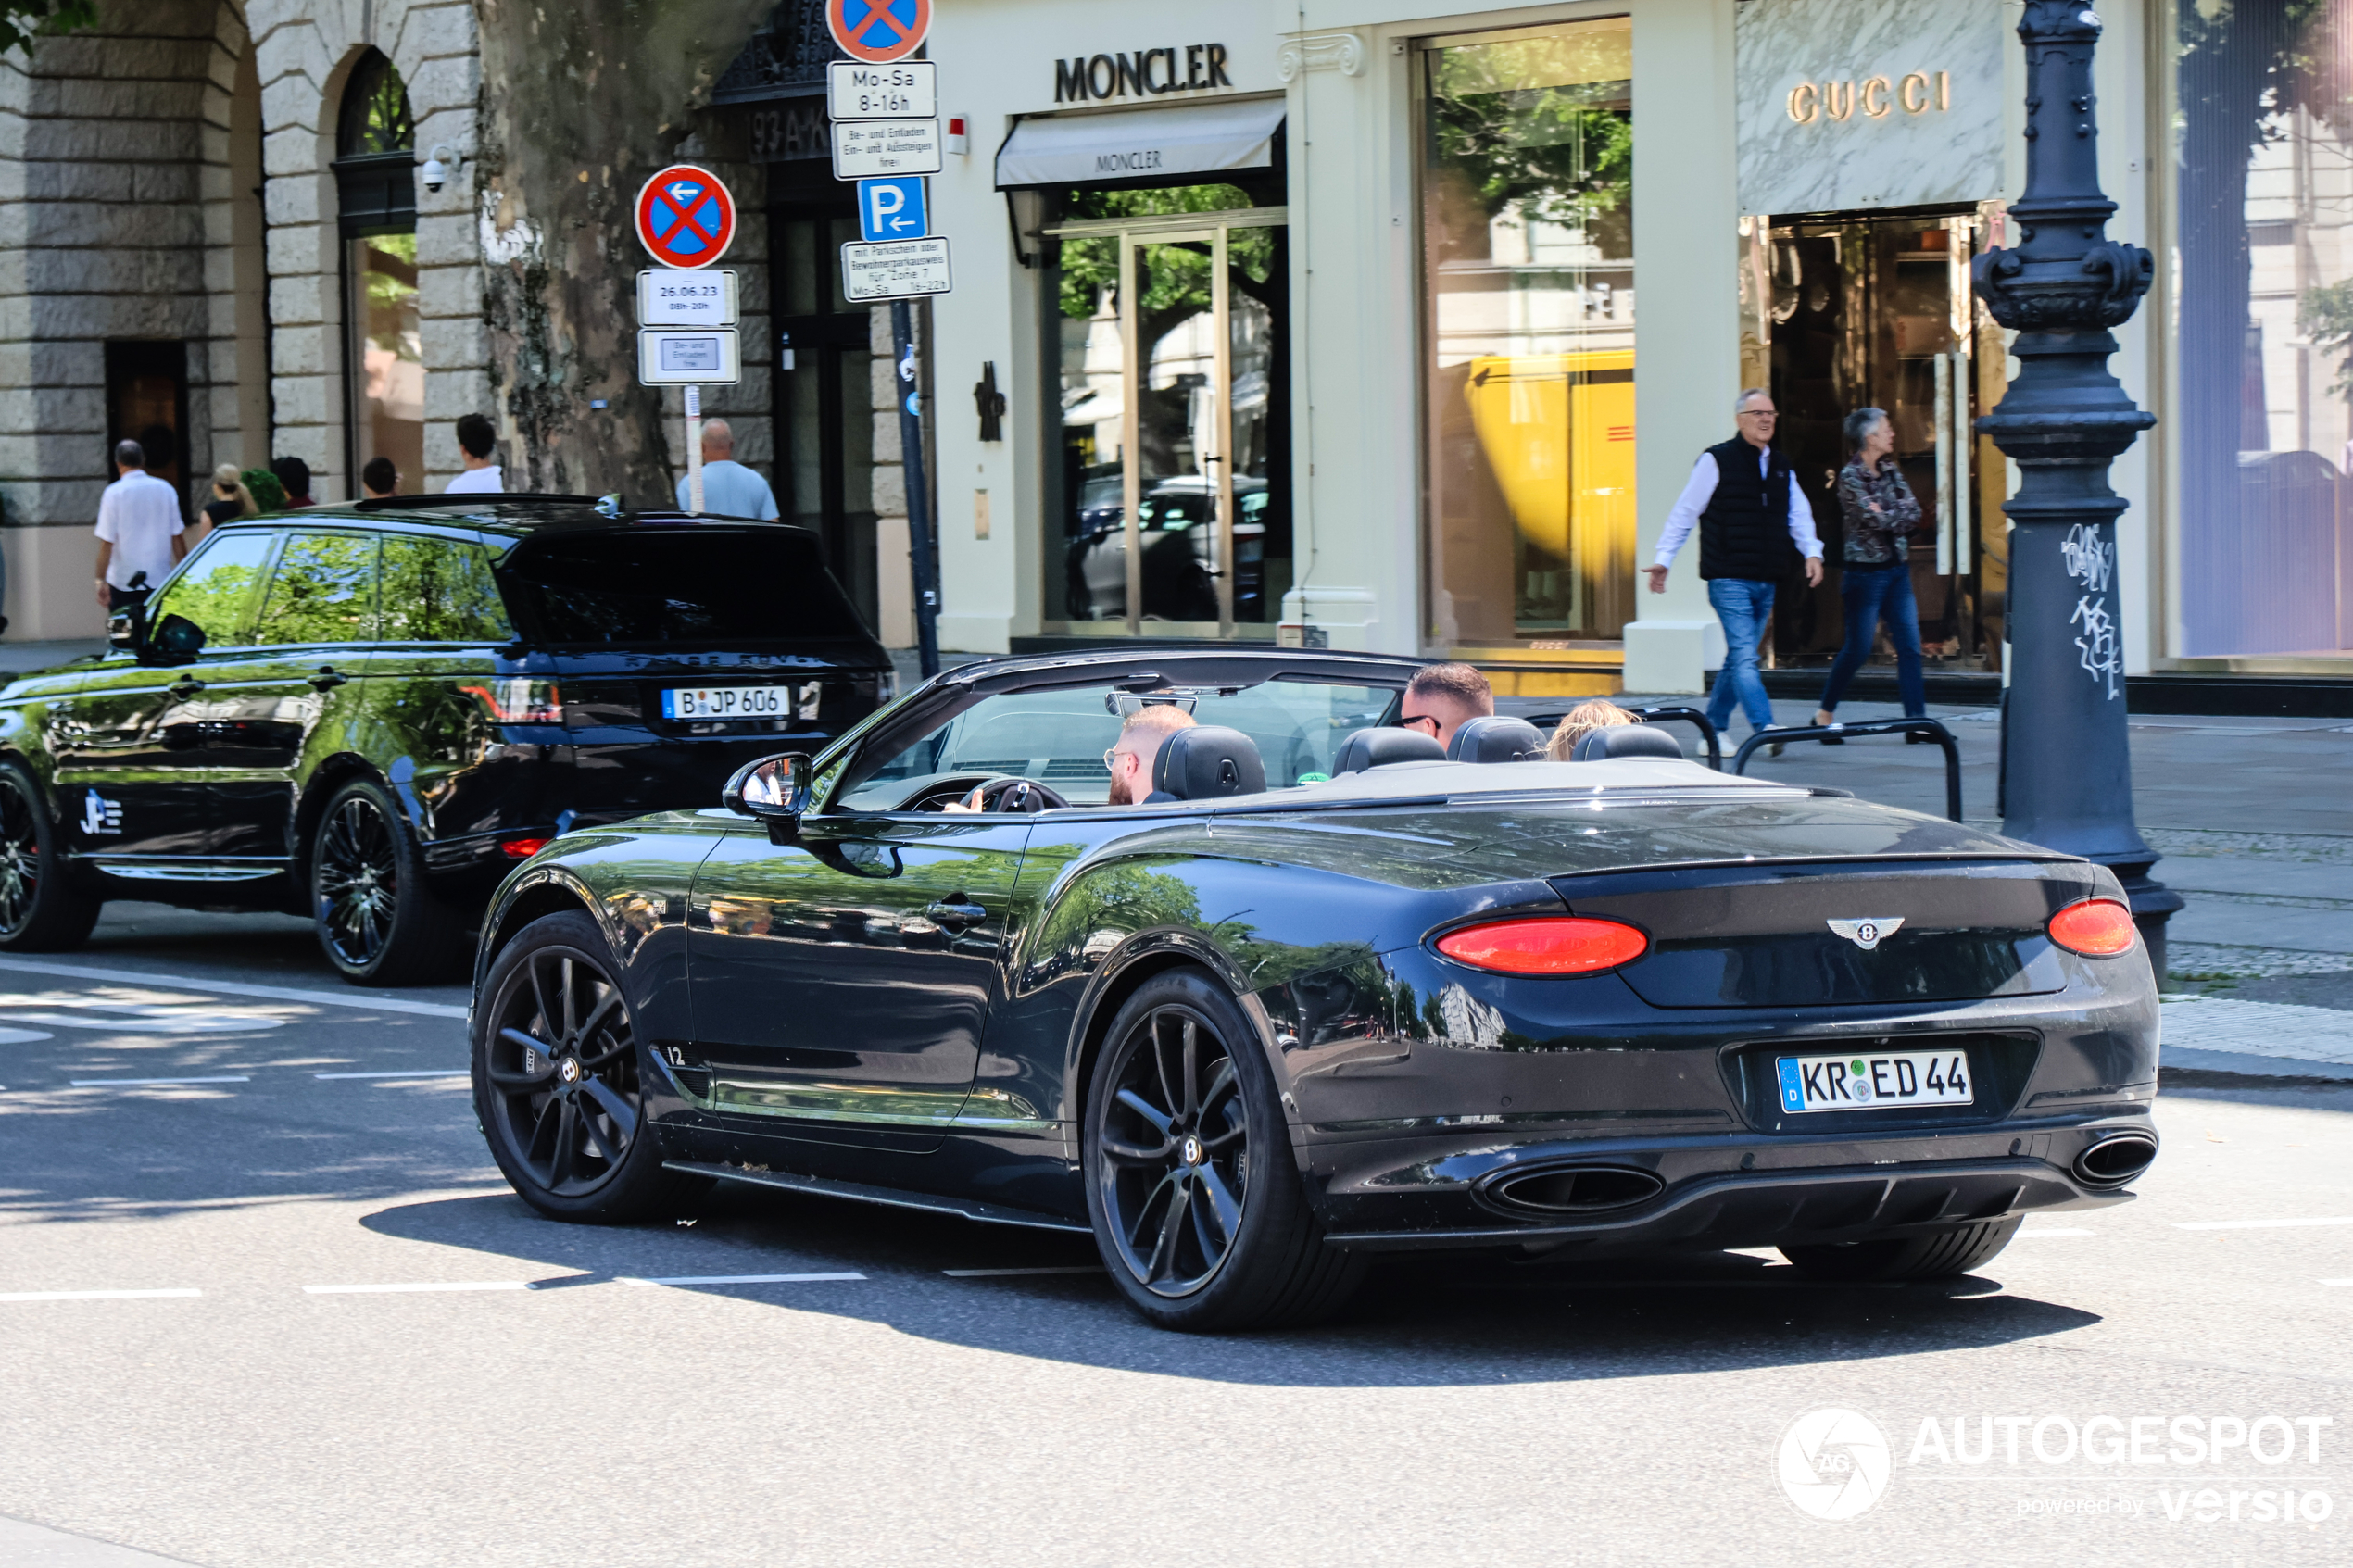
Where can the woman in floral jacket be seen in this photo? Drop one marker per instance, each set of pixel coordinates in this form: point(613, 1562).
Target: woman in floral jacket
point(1880, 514)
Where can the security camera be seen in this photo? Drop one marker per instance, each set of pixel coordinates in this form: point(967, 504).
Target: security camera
point(439, 164)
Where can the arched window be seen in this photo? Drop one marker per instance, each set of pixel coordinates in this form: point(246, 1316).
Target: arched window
point(375, 150)
point(384, 364)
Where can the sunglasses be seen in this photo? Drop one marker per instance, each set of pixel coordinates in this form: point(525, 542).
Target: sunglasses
point(1410, 719)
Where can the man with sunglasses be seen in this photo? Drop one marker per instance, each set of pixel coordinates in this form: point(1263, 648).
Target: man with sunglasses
point(1442, 698)
point(1744, 500)
point(1129, 761)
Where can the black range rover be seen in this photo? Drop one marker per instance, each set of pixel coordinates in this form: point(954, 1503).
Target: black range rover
point(369, 714)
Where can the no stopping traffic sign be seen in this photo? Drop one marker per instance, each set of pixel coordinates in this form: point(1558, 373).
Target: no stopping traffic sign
point(685, 217)
point(878, 32)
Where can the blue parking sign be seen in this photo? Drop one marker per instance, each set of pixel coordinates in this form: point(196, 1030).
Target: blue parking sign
point(892, 210)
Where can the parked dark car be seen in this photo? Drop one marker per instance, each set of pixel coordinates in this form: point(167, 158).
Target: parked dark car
point(369, 714)
point(1176, 531)
point(1252, 1035)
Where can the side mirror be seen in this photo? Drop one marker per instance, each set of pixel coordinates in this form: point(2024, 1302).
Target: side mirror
point(773, 790)
point(124, 628)
point(176, 639)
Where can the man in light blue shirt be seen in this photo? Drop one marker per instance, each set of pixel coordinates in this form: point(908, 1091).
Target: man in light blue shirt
point(729, 489)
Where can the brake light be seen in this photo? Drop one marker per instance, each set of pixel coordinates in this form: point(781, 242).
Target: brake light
point(522, 848)
point(519, 699)
point(2099, 928)
point(1547, 946)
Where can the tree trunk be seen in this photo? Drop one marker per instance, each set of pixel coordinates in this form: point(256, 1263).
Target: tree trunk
point(583, 100)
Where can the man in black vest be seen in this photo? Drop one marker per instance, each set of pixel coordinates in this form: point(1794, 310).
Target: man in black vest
point(1749, 511)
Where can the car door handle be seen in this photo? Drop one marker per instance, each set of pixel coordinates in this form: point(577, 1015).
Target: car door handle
point(185, 688)
point(327, 680)
point(953, 916)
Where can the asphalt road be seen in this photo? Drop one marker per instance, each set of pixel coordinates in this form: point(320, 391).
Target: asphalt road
point(345, 1343)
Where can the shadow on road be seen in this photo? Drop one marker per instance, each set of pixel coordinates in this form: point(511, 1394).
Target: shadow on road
point(1416, 1323)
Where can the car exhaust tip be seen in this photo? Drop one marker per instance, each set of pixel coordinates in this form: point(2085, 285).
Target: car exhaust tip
point(1572, 1189)
point(2115, 1160)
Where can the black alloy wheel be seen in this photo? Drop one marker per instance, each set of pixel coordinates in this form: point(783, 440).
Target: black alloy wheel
point(377, 921)
point(558, 1081)
point(1176, 1152)
point(1198, 1208)
point(41, 910)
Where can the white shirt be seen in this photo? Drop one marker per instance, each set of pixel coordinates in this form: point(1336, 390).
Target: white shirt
point(1702, 490)
point(138, 515)
point(478, 481)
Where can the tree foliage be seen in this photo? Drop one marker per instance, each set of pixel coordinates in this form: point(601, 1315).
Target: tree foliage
point(23, 21)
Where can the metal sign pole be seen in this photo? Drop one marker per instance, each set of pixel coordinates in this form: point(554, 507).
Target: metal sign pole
point(694, 450)
point(922, 547)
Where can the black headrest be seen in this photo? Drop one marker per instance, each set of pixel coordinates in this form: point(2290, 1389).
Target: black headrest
point(1624, 740)
point(1379, 748)
point(1207, 760)
point(1494, 738)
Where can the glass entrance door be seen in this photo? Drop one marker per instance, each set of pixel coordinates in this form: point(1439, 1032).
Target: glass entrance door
point(1860, 310)
point(1174, 456)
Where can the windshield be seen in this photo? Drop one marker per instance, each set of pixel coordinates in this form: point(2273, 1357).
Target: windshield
point(730, 585)
point(1058, 738)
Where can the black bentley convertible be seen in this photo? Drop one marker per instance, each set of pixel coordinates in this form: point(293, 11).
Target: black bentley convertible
point(1341, 994)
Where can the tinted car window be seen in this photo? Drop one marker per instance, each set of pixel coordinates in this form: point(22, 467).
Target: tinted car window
point(215, 590)
point(440, 591)
point(323, 591)
point(698, 585)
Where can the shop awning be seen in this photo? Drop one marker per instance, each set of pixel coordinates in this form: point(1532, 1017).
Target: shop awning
point(1133, 144)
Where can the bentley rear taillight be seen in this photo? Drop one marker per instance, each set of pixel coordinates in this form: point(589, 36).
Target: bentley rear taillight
point(2099, 928)
point(1549, 945)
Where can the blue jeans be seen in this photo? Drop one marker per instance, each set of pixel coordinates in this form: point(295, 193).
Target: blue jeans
point(1745, 607)
point(1873, 594)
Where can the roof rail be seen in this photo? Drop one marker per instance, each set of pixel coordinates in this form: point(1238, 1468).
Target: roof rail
point(423, 503)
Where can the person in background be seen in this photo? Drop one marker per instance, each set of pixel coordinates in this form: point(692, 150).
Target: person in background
point(1745, 501)
point(293, 477)
point(1442, 698)
point(1880, 515)
point(1582, 720)
point(140, 530)
point(476, 444)
point(380, 478)
point(729, 489)
point(230, 499)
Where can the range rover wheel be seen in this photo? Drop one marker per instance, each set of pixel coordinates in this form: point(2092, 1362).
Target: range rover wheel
point(378, 921)
point(557, 1081)
point(1198, 1207)
point(1940, 1255)
point(41, 910)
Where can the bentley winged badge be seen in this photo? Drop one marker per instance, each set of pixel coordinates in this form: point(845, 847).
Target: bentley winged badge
point(1866, 934)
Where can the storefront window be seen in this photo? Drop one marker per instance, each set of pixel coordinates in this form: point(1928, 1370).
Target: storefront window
point(2264, 277)
point(1188, 323)
point(1526, 216)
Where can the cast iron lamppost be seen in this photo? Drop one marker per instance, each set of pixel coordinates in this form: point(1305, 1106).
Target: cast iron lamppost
point(2068, 770)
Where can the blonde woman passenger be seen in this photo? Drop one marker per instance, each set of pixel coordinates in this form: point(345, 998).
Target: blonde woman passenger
point(230, 498)
point(1582, 720)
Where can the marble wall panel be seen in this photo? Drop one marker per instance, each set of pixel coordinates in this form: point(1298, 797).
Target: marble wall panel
point(1848, 104)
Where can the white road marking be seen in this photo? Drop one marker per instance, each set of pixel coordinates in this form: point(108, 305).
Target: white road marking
point(992, 1274)
point(2255, 1225)
point(352, 998)
point(133, 1018)
point(408, 1289)
point(2023, 1236)
point(97, 1295)
point(131, 1082)
point(738, 1279)
point(427, 1073)
point(2337, 1282)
